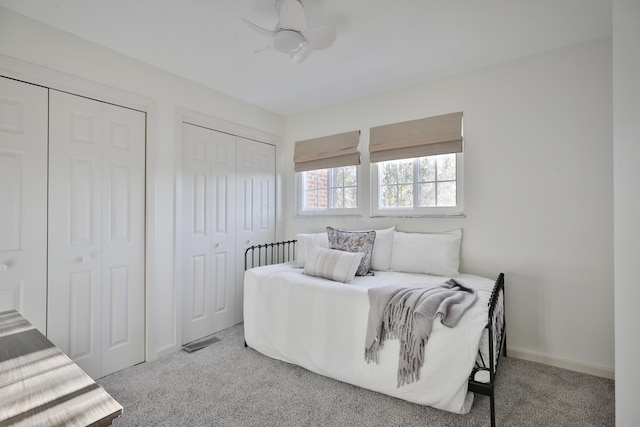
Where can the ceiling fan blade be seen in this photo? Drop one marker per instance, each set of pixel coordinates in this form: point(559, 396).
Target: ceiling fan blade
point(320, 37)
point(292, 15)
point(258, 29)
point(302, 54)
point(267, 47)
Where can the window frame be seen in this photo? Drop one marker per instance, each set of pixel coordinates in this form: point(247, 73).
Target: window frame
point(300, 198)
point(433, 212)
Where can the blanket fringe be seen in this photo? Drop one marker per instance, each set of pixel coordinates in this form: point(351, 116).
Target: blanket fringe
point(407, 316)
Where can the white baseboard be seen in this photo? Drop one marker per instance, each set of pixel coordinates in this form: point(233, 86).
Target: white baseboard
point(165, 351)
point(560, 362)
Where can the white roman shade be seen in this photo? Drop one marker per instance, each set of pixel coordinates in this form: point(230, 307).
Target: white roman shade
point(327, 152)
point(417, 138)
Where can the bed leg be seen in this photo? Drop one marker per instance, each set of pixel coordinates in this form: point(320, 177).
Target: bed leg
point(493, 410)
point(504, 344)
point(245, 343)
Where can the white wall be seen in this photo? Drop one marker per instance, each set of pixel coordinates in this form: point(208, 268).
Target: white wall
point(626, 148)
point(38, 53)
point(538, 191)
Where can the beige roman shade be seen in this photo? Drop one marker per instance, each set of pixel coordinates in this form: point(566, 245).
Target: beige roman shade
point(327, 152)
point(417, 138)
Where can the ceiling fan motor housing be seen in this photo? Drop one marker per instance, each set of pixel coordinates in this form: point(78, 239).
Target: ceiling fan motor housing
point(288, 41)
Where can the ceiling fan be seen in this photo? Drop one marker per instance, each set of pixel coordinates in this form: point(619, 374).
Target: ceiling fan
point(291, 34)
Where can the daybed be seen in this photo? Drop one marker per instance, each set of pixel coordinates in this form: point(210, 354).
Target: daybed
point(323, 325)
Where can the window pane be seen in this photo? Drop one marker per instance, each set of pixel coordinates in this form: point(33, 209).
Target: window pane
point(322, 199)
point(336, 198)
point(405, 196)
point(311, 179)
point(350, 176)
point(333, 188)
point(405, 173)
point(338, 177)
point(427, 195)
point(311, 201)
point(446, 167)
point(389, 173)
point(323, 178)
point(389, 197)
point(350, 197)
point(306, 199)
point(446, 194)
point(427, 169)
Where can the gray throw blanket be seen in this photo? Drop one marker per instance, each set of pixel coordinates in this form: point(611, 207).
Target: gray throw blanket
point(407, 314)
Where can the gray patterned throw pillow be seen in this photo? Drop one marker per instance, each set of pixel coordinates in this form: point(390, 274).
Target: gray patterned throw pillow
point(354, 241)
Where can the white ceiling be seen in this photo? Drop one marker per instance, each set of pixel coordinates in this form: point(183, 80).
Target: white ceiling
point(381, 45)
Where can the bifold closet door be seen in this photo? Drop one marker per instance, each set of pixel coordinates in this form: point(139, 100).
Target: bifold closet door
point(23, 200)
point(255, 203)
point(209, 221)
point(96, 233)
point(228, 204)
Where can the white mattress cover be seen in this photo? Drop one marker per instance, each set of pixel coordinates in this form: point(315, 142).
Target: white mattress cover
point(321, 325)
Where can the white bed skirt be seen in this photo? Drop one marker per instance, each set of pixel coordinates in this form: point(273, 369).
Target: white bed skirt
point(321, 325)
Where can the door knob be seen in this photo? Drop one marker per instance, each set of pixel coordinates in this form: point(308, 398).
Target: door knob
point(3, 267)
point(86, 258)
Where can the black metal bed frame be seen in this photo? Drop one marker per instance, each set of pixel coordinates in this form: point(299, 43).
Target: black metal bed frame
point(497, 330)
point(270, 253)
point(285, 251)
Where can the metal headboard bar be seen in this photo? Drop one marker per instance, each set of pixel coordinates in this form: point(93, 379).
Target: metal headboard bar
point(269, 253)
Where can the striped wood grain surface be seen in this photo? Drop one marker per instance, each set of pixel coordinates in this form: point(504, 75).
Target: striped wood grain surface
point(40, 385)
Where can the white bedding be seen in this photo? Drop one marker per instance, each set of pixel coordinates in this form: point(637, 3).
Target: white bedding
point(321, 325)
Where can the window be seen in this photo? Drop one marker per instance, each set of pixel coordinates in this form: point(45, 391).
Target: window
point(417, 167)
point(429, 185)
point(327, 174)
point(329, 191)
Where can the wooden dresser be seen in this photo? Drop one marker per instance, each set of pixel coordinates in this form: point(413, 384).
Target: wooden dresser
point(41, 386)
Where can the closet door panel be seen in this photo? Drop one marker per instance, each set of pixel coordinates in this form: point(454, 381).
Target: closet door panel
point(255, 175)
point(11, 171)
point(197, 230)
point(122, 229)
point(23, 200)
point(75, 237)
point(81, 344)
point(209, 252)
point(96, 233)
point(255, 171)
point(223, 254)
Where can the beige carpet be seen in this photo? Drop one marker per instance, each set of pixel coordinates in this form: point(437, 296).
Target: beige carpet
point(227, 384)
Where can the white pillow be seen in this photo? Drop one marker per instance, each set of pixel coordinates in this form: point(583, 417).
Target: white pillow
point(332, 264)
point(306, 242)
point(430, 253)
point(381, 256)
